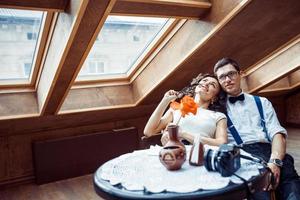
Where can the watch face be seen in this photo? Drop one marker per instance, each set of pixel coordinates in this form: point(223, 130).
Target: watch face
point(277, 162)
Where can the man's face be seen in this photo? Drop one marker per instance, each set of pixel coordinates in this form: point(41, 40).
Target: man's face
point(230, 79)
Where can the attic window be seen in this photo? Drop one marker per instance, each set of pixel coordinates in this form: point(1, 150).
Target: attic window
point(120, 44)
point(19, 30)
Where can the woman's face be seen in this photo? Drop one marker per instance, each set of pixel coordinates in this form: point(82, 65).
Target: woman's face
point(208, 88)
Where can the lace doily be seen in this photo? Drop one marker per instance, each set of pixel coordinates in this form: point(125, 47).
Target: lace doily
point(142, 170)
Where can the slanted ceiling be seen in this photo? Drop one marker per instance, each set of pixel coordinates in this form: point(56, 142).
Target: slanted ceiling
point(263, 36)
point(253, 37)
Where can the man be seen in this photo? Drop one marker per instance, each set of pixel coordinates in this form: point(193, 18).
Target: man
point(257, 130)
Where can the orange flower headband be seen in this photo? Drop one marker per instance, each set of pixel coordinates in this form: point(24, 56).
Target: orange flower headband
point(186, 105)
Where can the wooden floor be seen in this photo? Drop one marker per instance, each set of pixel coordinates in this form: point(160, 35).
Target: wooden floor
point(81, 188)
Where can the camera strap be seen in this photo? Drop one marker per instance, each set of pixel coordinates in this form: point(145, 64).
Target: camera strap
point(247, 184)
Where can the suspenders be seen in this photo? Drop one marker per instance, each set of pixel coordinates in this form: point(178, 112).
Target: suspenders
point(233, 130)
point(261, 113)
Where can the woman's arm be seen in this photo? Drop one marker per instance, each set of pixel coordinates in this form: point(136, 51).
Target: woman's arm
point(221, 135)
point(158, 121)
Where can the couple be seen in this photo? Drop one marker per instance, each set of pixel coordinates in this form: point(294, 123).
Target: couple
point(252, 122)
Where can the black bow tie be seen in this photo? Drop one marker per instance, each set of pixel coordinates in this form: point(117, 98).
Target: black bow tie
point(238, 98)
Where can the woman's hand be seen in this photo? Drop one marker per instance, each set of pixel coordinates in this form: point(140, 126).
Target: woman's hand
point(171, 95)
point(164, 138)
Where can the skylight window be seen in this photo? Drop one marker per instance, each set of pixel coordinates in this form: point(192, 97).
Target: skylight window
point(19, 30)
point(119, 45)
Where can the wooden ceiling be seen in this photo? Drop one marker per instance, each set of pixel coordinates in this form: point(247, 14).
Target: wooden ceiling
point(255, 33)
point(263, 36)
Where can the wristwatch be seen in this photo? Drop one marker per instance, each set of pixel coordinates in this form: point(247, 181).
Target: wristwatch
point(276, 162)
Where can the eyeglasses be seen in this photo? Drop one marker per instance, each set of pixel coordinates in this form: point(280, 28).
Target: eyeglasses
point(231, 75)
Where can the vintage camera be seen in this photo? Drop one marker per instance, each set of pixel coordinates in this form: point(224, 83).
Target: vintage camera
point(225, 160)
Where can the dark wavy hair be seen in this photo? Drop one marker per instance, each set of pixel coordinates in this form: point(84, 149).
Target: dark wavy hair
point(218, 105)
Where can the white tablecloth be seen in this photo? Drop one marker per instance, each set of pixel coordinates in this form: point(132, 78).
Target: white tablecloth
point(142, 170)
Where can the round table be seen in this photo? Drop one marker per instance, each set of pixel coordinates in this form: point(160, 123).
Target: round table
point(232, 191)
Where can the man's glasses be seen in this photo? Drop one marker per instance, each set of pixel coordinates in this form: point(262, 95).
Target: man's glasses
point(231, 75)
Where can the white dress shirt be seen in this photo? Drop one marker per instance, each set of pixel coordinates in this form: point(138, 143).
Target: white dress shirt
point(247, 121)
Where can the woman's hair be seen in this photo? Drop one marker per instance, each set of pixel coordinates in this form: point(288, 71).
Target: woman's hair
point(218, 105)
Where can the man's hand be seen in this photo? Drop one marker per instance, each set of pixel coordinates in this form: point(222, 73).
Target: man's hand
point(276, 174)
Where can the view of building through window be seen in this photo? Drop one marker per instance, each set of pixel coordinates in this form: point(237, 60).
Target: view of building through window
point(19, 31)
point(120, 43)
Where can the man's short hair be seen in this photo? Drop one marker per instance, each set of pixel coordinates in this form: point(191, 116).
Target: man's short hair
point(225, 61)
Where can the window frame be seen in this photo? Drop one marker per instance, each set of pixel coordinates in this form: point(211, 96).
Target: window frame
point(39, 55)
point(164, 35)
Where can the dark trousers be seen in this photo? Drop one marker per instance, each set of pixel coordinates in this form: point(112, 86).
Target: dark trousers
point(289, 185)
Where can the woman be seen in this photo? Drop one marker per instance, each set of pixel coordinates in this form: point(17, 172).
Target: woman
point(209, 122)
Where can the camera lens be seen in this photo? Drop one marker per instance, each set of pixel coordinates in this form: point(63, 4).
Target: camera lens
point(210, 160)
point(225, 160)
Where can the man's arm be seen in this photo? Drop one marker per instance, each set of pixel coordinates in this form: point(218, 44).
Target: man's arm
point(278, 152)
point(278, 146)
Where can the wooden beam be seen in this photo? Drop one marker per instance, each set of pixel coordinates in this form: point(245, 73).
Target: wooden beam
point(73, 37)
point(38, 124)
point(281, 64)
point(284, 85)
point(190, 9)
point(178, 52)
point(294, 78)
point(186, 3)
point(42, 47)
point(44, 5)
point(181, 65)
point(280, 84)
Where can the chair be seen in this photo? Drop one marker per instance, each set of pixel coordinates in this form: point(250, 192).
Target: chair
point(146, 142)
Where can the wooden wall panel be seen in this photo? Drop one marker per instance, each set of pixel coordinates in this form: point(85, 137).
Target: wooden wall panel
point(16, 150)
point(76, 156)
point(98, 97)
point(18, 104)
point(293, 109)
point(280, 108)
point(20, 158)
point(4, 157)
